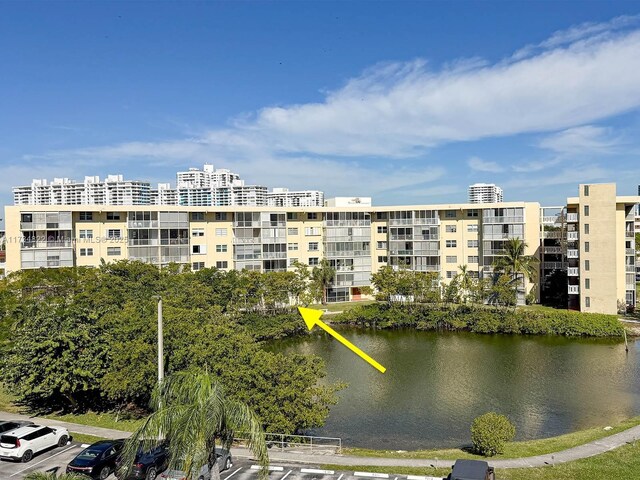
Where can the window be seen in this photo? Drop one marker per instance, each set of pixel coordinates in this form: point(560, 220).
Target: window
point(587, 283)
point(472, 227)
point(587, 265)
point(382, 229)
point(586, 228)
point(86, 252)
point(221, 232)
point(292, 246)
point(314, 260)
point(311, 231)
point(113, 233)
point(382, 259)
point(451, 273)
point(473, 213)
point(113, 215)
point(382, 246)
point(292, 261)
point(313, 246)
point(86, 233)
point(312, 216)
point(84, 217)
point(451, 244)
point(586, 210)
point(381, 215)
point(195, 266)
point(292, 215)
point(223, 264)
point(197, 216)
point(111, 251)
point(449, 214)
point(220, 216)
point(472, 243)
point(586, 247)
point(452, 259)
point(587, 302)
point(586, 190)
point(451, 229)
point(198, 249)
point(472, 259)
point(221, 248)
point(197, 232)
point(28, 217)
point(292, 231)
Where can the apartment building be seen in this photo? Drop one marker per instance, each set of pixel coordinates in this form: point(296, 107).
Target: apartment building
point(282, 197)
point(485, 193)
point(590, 240)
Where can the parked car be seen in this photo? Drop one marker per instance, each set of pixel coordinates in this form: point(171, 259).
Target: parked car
point(97, 460)
point(147, 465)
point(24, 442)
point(471, 470)
point(7, 425)
point(224, 460)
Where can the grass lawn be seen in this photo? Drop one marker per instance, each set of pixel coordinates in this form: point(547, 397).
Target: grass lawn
point(621, 463)
point(512, 450)
point(82, 438)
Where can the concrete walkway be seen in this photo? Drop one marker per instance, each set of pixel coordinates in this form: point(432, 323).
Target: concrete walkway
point(583, 451)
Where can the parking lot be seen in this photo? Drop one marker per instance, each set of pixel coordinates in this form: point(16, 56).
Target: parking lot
point(242, 469)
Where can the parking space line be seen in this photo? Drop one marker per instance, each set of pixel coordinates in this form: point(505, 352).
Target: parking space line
point(287, 474)
point(370, 475)
point(340, 477)
point(271, 469)
point(43, 460)
point(314, 470)
point(233, 474)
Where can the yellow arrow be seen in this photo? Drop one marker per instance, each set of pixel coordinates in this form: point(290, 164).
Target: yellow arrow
point(312, 317)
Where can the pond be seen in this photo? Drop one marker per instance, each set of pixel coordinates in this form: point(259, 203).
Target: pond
point(437, 383)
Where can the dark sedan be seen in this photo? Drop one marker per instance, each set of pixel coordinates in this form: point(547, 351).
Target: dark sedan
point(147, 465)
point(98, 460)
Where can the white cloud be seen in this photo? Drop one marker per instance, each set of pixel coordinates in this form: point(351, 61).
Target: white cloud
point(480, 165)
point(535, 165)
point(579, 140)
point(566, 176)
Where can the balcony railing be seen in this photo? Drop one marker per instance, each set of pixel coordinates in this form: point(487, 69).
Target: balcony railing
point(274, 255)
point(552, 250)
point(48, 244)
point(550, 219)
point(572, 253)
point(553, 265)
point(573, 271)
point(553, 235)
point(142, 224)
point(630, 268)
point(503, 220)
point(573, 289)
point(282, 224)
point(414, 221)
point(247, 240)
point(347, 223)
point(630, 251)
point(572, 217)
point(629, 234)
point(572, 236)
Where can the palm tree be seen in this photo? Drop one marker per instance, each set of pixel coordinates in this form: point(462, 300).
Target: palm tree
point(323, 275)
point(52, 476)
point(465, 282)
point(192, 412)
point(515, 263)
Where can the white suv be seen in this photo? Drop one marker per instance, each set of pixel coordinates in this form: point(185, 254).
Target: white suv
point(22, 443)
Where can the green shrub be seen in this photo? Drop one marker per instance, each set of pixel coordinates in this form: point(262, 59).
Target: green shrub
point(490, 432)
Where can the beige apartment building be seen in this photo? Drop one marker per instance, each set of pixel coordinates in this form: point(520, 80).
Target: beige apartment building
point(356, 239)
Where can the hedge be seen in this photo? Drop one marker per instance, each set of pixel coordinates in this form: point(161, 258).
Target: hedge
point(481, 319)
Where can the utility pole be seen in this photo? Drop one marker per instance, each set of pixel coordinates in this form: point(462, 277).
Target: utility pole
point(160, 344)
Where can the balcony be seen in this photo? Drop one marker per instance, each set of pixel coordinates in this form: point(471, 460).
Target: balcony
point(48, 244)
point(574, 289)
point(274, 255)
point(630, 268)
point(349, 223)
point(573, 272)
point(247, 240)
point(553, 234)
point(630, 251)
point(414, 221)
point(282, 224)
point(572, 236)
point(629, 234)
point(553, 250)
point(573, 253)
point(142, 224)
point(550, 219)
point(553, 265)
point(490, 219)
point(572, 217)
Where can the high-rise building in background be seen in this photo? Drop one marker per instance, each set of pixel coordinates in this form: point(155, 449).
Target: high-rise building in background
point(208, 187)
point(485, 193)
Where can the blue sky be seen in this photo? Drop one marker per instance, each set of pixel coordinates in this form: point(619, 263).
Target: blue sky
point(405, 102)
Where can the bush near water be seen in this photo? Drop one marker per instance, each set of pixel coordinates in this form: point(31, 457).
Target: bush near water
point(490, 433)
point(481, 319)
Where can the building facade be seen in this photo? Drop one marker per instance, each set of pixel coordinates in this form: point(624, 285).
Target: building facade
point(282, 197)
point(485, 193)
point(593, 250)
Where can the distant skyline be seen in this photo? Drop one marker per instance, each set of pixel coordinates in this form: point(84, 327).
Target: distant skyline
point(404, 102)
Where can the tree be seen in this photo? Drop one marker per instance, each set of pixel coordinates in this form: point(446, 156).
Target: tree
point(501, 291)
point(53, 476)
point(465, 282)
point(515, 263)
point(193, 411)
point(490, 432)
point(637, 243)
point(323, 275)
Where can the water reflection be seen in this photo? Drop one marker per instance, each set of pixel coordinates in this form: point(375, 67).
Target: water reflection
point(437, 383)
